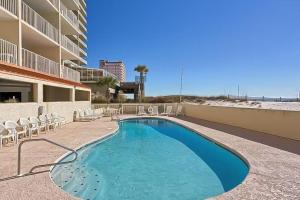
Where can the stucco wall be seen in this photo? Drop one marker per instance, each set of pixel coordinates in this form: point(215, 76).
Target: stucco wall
point(275, 122)
point(13, 111)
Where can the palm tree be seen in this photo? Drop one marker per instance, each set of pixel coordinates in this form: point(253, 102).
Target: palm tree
point(143, 70)
point(106, 83)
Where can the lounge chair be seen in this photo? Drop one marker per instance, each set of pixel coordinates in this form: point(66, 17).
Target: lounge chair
point(169, 111)
point(83, 117)
point(106, 112)
point(15, 129)
point(153, 110)
point(43, 120)
point(179, 110)
point(5, 135)
point(61, 120)
point(115, 114)
point(54, 122)
point(89, 112)
point(35, 122)
point(141, 111)
point(99, 112)
point(29, 129)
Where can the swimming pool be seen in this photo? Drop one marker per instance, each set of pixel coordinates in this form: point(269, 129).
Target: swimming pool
point(150, 159)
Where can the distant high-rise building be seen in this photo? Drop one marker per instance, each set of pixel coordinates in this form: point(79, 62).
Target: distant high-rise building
point(116, 68)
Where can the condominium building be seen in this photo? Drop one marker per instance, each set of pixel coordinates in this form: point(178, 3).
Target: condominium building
point(39, 39)
point(116, 68)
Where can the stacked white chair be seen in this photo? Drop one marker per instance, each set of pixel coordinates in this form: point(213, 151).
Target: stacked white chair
point(15, 129)
point(5, 135)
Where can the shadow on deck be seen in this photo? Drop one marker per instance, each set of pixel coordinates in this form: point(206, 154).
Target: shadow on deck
point(285, 144)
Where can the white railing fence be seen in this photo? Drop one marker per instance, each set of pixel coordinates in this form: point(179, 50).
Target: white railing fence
point(8, 52)
point(132, 108)
point(83, 51)
point(39, 63)
point(69, 15)
point(70, 74)
point(55, 3)
point(70, 45)
point(10, 5)
point(38, 22)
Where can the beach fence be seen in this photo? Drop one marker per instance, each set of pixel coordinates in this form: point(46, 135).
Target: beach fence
point(132, 108)
point(263, 98)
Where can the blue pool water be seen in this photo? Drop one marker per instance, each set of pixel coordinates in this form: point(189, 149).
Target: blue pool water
point(151, 159)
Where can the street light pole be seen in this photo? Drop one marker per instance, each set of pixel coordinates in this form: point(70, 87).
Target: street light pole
point(181, 80)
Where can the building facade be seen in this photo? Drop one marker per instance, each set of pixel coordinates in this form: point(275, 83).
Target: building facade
point(39, 42)
point(116, 68)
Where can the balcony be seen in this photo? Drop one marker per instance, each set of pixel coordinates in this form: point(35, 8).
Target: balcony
point(70, 19)
point(93, 74)
point(40, 24)
point(69, 45)
point(71, 4)
point(8, 52)
point(39, 63)
point(70, 74)
point(55, 3)
point(9, 5)
point(83, 51)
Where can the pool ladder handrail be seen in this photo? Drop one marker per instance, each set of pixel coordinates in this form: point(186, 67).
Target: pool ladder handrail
point(31, 172)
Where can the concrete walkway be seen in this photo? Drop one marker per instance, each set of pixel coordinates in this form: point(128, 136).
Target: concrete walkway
point(40, 186)
point(274, 173)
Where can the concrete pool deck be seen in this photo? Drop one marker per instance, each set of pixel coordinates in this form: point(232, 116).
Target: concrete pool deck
point(274, 173)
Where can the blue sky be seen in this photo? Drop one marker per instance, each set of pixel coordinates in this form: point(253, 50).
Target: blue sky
point(219, 44)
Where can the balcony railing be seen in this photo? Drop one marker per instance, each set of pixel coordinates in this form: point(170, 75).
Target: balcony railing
point(90, 74)
point(39, 63)
point(55, 3)
point(10, 5)
point(8, 52)
point(38, 22)
point(70, 45)
point(83, 51)
point(70, 74)
point(69, 15)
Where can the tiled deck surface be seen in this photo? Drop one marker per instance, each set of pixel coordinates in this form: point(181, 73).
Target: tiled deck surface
point(274, 173)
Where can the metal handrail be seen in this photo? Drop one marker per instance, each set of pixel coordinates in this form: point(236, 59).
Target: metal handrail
point(31, 172)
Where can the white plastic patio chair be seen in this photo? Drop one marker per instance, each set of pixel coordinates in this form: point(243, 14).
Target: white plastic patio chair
point(179, 110)
point(90, 113)
point(25, 124)
point(61, 120)
point(52, 122)
point(96, 113)
point(141, 111)
point(5, 135)
point(115, 114)
point(36, 126)
point(168, 112)
point(35, 122)
point(48, 124)
point(99, 112)
point(153, 110)
point(15, 129)
point(82, 117)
